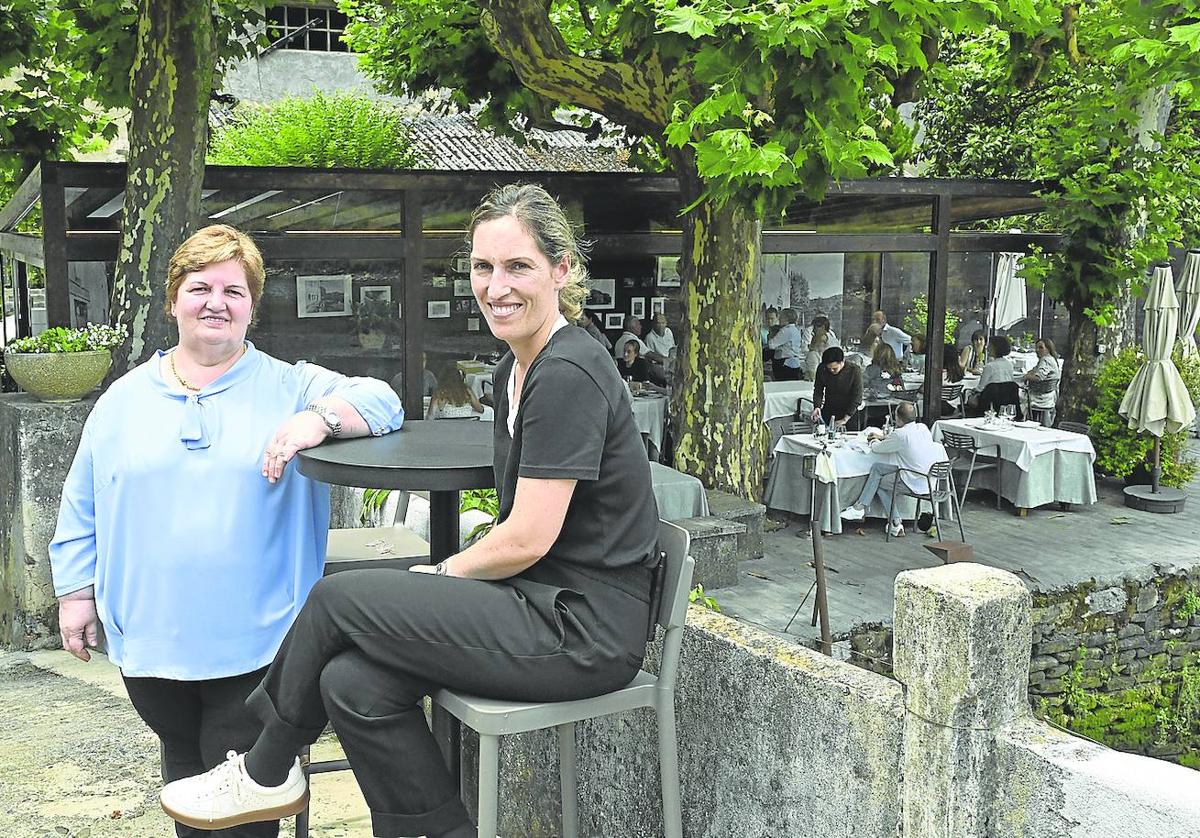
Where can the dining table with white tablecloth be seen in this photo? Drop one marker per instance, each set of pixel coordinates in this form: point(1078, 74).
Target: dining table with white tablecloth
point(789, 490)
point(650, 414)
point(1038, 465)
point(678, 495)
point(779, 404)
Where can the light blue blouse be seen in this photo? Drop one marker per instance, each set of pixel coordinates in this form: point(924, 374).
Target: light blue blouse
point(200, 565)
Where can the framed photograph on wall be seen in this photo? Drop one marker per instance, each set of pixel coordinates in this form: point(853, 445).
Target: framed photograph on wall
point(658, 305)
point(375, 294)
point(603, 294)
point(437, 309)
point(462, 265)
point(472, 324)
point(323, 296)
point(637, 307)
point(666, 274)
point(614, 320)
point(462, 288)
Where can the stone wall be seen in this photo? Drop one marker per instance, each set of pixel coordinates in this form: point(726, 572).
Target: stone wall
point(37, 444)
point(1108, 657)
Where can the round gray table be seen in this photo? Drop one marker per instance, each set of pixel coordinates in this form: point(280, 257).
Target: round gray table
point(441, 456)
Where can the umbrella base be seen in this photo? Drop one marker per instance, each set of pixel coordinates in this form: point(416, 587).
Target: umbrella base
point(1165, 501)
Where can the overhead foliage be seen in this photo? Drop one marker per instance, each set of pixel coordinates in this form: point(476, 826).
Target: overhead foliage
point(323, 131)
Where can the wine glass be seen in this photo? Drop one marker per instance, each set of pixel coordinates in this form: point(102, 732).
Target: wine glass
point(1008, 411)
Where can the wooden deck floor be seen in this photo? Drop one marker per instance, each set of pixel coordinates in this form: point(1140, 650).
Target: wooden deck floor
point(1048, 550)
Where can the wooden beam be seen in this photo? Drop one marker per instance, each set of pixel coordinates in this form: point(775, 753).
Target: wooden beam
point(935, 319)
point(412, 319)
point(25, 197)
point(54, 250)
point(25, 247)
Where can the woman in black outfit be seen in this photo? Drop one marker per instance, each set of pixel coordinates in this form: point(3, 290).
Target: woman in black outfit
point(552, 604)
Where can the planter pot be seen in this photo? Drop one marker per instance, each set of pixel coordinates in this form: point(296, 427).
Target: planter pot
point(58, 376)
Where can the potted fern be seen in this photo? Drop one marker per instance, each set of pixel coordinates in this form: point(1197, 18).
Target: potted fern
point(61, 364)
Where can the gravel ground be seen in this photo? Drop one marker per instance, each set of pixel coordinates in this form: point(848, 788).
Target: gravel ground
point(77, 762)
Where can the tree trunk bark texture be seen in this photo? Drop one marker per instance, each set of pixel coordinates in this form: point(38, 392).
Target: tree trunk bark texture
point(172, 82)
point(1080, 365)
point(717, 413)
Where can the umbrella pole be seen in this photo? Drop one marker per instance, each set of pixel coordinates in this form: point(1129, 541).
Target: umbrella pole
point(1156, 472)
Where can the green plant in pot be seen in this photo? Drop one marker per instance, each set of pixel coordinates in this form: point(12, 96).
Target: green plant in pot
point(61, 364)
point(373, 317)
point(1124, 453)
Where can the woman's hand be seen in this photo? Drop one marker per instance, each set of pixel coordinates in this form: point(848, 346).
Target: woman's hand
point(78, 626)
point(304, 430)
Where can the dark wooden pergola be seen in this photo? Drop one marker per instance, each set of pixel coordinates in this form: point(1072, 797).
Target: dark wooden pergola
point(299, 215)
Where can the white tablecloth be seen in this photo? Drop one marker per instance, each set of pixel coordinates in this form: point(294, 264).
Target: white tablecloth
point(1038, 465)
point(779, 397)
point(650, 414)
point(789, 490)
point(678, 495)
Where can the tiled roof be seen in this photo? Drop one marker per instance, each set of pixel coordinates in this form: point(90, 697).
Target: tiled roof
point(456, 143)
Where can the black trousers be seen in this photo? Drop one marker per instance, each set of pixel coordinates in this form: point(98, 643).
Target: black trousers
point(197, 723)
point(782, 372)
point(370, 644)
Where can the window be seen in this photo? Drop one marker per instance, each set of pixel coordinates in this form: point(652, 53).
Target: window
point(307, 28)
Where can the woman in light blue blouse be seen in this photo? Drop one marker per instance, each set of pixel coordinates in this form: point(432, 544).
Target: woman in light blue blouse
point(181, 528)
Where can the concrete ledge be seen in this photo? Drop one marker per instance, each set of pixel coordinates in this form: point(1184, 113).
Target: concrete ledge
point(715, 549)
point(774, 740)
point(729, 507)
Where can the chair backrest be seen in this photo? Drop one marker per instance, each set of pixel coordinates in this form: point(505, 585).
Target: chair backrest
point(952, 392)
point(1000, 393)
point(955, 440)
point(939, 481)
point(800, 426)
point(674, 541)
point(1075, 428)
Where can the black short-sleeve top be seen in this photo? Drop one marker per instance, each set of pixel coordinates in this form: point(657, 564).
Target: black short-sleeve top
point(575, 421)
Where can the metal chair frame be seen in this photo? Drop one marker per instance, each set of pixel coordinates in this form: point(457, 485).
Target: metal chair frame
point(953, 394)
point(939, 484)
point(493, 719)
point(957, 445)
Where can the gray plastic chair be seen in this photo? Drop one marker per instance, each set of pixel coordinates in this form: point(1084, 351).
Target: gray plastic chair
point(939, 488)
point(493, 719)
point(959, 447)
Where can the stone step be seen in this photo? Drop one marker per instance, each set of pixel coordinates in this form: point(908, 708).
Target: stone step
point(733, 508)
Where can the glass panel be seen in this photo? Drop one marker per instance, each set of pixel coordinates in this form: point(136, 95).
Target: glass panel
point(273, 210)
point(859, 214)
point(904, 288)
point(341, 314)
point(318, 40)
point(969, 278)
point(90, 285)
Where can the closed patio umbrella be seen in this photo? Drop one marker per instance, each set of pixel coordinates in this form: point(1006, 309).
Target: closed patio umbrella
point(1008, 299)
point(1189, 303)
point(1157, 401)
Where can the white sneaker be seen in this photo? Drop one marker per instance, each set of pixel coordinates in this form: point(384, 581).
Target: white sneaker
point(896, 530)
point(225, 796)
point(853, 513)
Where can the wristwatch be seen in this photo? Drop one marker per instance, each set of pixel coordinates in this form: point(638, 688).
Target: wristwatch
point(328, 415)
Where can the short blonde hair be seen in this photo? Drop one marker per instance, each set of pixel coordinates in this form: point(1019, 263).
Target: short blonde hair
point(209, 246)
point(551, 231)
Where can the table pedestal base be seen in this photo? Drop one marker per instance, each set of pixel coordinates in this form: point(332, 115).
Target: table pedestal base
point(1165, 501)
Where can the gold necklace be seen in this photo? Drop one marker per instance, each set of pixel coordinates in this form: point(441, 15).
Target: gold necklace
point(183, 381)
point(179, 377)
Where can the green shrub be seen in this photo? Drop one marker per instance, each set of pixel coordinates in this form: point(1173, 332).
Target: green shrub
point(916, 318)
point(324, 131)
point(1119, 450)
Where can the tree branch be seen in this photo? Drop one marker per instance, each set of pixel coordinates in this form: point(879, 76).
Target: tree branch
point(637, 97)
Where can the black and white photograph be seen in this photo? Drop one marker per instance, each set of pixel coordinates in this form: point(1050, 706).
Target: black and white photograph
point(375, 294)
point(462, 265)
point(658, 305)
point(462, 288)
point(439, 281)
point(667, 273)
point(437, 309)
point(323, 296)
point(603, 294)
point(637, 307)
point(614, 320)
point(466, 306)
point(472, 324)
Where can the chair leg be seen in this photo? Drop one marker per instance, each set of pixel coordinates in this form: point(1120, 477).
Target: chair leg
point(668, 761)
point(962, 533)
point(302, 817)
point(567, 779)
point(489, 784)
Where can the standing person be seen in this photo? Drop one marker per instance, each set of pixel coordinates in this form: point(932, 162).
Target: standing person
point(788, 346)
point(820, 321)
point(452, 399)
point(910, 447)
point(817, 344)
point(1043, 381)
point(896, 338)
point(837, 389)
point(181, 528)
point(770, 325)
point(552, 604)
